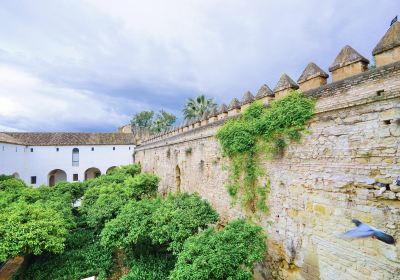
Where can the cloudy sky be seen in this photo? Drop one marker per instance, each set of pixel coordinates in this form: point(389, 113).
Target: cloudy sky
point(89, 65)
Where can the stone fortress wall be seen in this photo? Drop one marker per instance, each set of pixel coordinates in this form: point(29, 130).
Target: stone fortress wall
point(345, 168)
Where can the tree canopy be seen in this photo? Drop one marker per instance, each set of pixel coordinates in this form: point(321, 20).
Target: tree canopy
point(195, 107)
point(153, 122)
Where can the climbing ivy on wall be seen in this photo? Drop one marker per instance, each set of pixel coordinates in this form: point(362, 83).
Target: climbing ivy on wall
point(260, 132)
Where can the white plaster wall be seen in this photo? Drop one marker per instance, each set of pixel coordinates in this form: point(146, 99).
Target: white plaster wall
point(12, 159)
point(44, 159)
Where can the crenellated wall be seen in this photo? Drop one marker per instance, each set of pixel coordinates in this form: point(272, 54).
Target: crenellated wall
point(345, 168)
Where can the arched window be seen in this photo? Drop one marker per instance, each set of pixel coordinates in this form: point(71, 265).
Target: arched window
point(75, 157)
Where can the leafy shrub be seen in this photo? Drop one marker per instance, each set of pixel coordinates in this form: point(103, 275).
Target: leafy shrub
point(143, 185)
point(154, 267)
point(226, 254)
point(6, 177)
point(170, 221)
point(83, 257)
point(31, 229)
point(179, 217)
point(131, 226)
point(260, 129)
point(75, 189)
point(101, 204)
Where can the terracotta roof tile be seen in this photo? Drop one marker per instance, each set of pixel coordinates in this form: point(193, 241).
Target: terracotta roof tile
point(68, 138)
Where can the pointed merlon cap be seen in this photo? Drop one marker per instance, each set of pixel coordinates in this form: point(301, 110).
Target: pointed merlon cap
point(390, 40)
point(312, 71)
point(264, 91)
point(285, 82)
point(223, 109)
point(347, 56)
point(247, 98)
point(235, 104)
point(213, 112)
point(204, 116)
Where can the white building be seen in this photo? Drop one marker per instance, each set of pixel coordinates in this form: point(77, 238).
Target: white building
point(47, 158)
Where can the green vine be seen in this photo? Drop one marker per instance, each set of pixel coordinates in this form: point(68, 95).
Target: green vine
point(261, 131)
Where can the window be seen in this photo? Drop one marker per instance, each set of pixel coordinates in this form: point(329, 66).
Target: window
point(57, 149)
point(31, 150)
point(92, 149)
point(75, 157)
point(75, 177)
point(33, 180)
point(113, 148)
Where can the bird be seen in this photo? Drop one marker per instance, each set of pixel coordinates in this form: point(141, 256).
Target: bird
point(363, 230)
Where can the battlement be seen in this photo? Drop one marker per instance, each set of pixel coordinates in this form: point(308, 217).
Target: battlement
point(348, 69)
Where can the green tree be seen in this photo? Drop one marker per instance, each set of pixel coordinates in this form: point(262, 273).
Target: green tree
point(179, 217)
point(142, 119)
point(226, 254)
point(144, 185)
point(31, 229)
point(162, 121)
point(131, 226)
point(83, 257)
point(195, 108)
point(101, 204)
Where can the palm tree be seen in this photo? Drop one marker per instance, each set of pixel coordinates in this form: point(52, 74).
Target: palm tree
point(195, 108)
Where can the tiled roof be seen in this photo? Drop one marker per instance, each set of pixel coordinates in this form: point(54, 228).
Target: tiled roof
point(66, 138)
point(4, 138)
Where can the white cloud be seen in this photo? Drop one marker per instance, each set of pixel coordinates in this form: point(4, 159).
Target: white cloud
point(30, 103)
point(126, 56)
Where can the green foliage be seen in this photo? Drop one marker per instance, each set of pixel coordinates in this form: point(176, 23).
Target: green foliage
point(195, 108)
point(188, 151)
point(150, 266)
point(83, 257)
point(155, 123)
point(101, 204)
point(131, 226)
point(162, 121)
point(179, 217)
point(31, 229)
point(142, 119)
point(166, 222)
point(261, 130)
point(143, 185)
point(226, 254)
point(75, 189)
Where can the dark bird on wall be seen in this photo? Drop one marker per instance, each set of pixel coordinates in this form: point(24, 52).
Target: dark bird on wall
point(393, 21)
point(364, 230)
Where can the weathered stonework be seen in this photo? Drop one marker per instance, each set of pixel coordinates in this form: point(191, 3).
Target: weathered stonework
point(336, 173)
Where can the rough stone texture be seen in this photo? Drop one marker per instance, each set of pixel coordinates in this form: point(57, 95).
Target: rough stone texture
point(390, 40)
point(264, 91)
point(317, 186)
point(285, 82)
point(312, 71)
point(348, 63)
point(387, 57)
point(312, 77)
